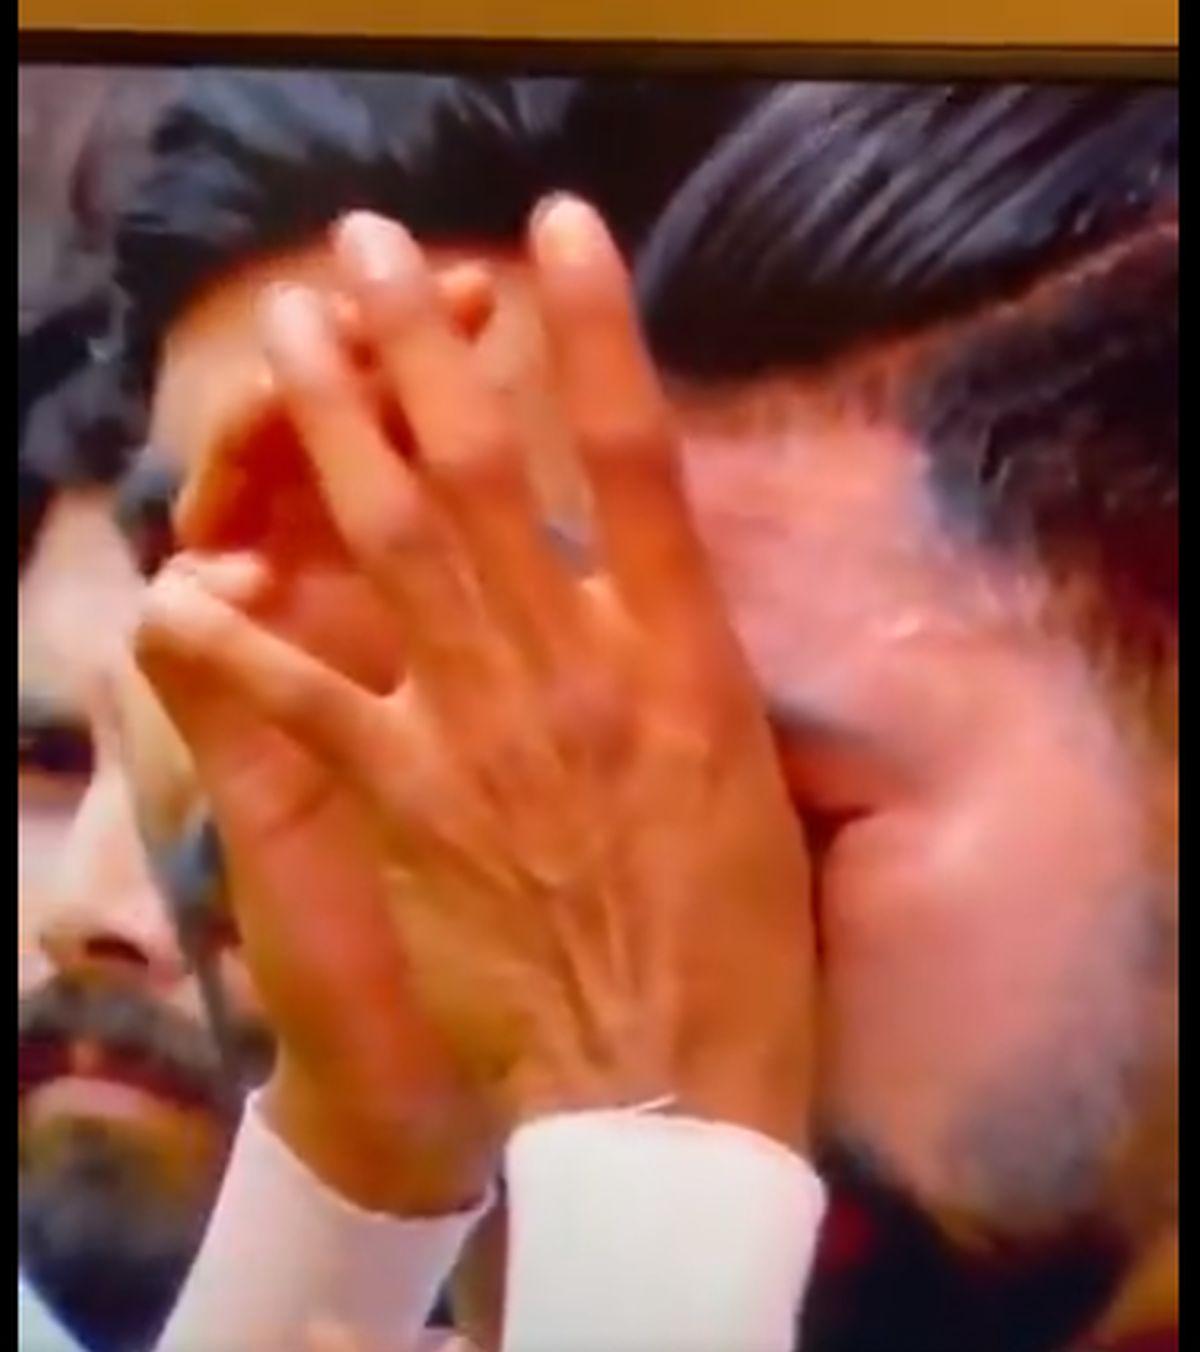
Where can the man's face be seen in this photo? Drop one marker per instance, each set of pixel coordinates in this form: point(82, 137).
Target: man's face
point(122, 1131)
point(993, 900)
point(994, 925)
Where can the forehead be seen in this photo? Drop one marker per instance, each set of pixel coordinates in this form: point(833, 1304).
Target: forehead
point(77, 599)
point(212, 369)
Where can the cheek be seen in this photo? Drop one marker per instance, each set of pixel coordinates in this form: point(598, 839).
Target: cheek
point(43, 828)
point(971, 938)
point(44, 817)
point(105, 879)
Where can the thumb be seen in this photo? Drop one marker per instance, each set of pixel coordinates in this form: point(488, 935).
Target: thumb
point(240, 580)
point(229, 746)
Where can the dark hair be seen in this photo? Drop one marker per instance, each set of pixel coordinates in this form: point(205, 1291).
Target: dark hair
point(838, 214)
point(1054, 427)
point(774, 226)
point(75, 424)
point(245, 163)
point(1036, 226)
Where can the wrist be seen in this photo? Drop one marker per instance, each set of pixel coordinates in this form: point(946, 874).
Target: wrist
point(768, 1090)
point(570, 1079)
point(765, 1085)
point(412, 1164)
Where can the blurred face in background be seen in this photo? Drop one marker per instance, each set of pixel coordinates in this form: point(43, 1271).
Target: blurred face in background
point(124, 1119)
point(122, 1124)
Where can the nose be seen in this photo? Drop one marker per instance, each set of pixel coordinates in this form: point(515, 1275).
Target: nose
point(108, 914)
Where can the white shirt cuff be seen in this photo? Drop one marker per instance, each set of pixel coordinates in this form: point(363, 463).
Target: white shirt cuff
point(628, 1231)
point(631, 1231)
point(37, 1329)
point(283, 1250)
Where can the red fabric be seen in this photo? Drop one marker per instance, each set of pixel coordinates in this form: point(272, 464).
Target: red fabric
point(847, 1237)
point(1165, 1340)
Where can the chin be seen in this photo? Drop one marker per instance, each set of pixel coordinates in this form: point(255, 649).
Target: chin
point(992, 1182)
point(101, 1236)
point(937, 1267)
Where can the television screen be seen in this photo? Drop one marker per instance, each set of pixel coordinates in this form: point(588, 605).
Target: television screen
point(329, 376)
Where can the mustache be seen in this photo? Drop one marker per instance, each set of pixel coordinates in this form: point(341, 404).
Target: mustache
point(144, 1038)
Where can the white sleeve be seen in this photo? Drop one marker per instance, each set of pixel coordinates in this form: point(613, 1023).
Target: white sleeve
point(632, 1231)
point(282, 1251)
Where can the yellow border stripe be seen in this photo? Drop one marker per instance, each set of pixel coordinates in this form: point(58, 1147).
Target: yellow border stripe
point(1038, 23)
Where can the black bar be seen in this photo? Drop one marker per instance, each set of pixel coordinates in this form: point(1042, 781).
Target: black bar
point(520, 57)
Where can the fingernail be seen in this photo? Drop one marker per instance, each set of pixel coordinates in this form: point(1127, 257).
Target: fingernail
point(239, 578)
point(296, 329)
point(546, 205)
point(569, 230)
point(374, 249)
point(291, 314)
point(174, 612)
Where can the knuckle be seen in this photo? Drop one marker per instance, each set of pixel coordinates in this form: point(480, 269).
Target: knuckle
point(400, 302)
point(388, 527)
point(171, 619)
point(512, 765)
point(482, 454)
point(300, 703)
point(498, 754)
point(590, 719)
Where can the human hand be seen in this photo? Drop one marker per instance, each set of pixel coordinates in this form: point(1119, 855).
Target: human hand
point(605, 896)
point(325, 1335)
point(364, 1090)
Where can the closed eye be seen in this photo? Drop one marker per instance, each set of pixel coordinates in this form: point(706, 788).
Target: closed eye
point(50, 743)
point(834, 772)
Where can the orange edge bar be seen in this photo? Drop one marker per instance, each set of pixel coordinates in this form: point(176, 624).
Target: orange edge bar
point(922, 23)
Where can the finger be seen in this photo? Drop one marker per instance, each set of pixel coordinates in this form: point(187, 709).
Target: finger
point(388, 522)
point(198, 708)
point(293, 893)
point(463, 435)
point(326, 1335)
point(240, 579)
point(467, 292)
point(620, 419)
point(217, 490)
point(184, 623)
point(254, 776)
